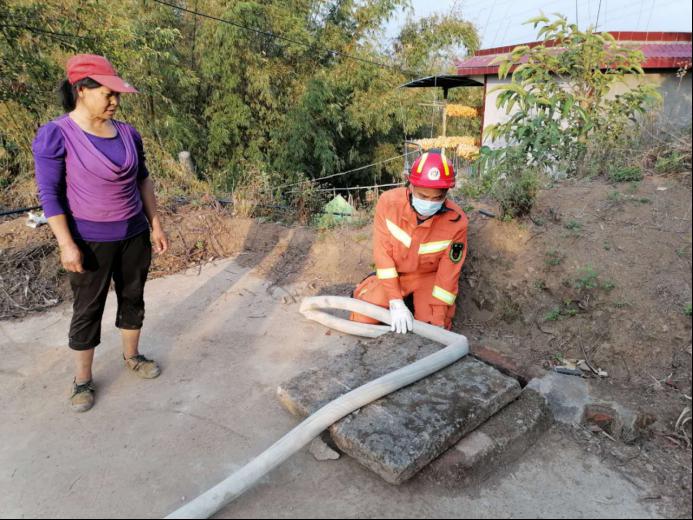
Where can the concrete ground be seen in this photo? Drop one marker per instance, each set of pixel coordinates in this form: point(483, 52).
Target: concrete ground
point(224, 345)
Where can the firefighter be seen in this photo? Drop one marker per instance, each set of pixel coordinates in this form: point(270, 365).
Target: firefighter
point(419, 245)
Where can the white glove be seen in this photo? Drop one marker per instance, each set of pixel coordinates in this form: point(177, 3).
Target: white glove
point(401, 317)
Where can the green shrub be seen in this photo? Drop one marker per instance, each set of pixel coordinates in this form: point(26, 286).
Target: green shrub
point(573, 225)
point(673, 162)
point(587, 279)
point(609, 285)
point(553, 315)
point(553, 258)
point(578, 130)
point(615, 196)
point(626, 174)
point(506, 175)
point(516, 193)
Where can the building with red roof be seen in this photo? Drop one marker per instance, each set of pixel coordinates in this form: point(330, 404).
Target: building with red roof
point(667, 65)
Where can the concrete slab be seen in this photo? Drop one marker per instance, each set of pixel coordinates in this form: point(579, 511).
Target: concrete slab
point(400, 434)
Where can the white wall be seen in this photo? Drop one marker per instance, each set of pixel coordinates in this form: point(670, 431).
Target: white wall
point(676, 94)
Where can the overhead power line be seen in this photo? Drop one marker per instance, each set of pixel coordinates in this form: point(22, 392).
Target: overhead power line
point(41, 31)
point(340, 174)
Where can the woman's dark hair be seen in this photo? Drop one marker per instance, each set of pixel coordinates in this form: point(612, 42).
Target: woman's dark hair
point(67, 94)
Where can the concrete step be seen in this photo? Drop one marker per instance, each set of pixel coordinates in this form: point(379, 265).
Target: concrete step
point(400, 434)
point(498, 442)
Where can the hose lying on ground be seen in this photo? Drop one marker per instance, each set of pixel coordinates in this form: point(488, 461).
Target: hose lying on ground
point(456, 347)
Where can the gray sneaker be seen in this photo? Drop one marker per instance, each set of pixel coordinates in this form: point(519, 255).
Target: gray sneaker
point(82, 398)
point(143, 367)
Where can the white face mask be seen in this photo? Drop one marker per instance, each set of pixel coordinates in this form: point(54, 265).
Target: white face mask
point(426, 208)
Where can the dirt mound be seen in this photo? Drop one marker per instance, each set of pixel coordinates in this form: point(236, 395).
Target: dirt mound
point(601, 272)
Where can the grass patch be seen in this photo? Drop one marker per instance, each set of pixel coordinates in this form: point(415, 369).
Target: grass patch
point(609, 285)
point(673, 162)
point(687, 310)
point(573, 225)
point(587, 279)
point(553, 258)
point(615, 196)
point(510, 311)
point(553, 315)
point(565, 310)
point(626, 174)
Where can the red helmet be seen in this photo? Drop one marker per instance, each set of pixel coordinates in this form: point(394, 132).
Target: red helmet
point(432, 170)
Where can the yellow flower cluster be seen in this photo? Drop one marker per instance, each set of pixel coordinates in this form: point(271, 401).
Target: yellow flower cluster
point(445, 142)
point(461, 111)
point(464, 146)
point(467, 151)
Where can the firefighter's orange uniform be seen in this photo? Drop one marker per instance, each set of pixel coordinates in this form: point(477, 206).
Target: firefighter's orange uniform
point(412, 256)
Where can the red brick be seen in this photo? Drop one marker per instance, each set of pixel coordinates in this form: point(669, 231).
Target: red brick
point(505, 364)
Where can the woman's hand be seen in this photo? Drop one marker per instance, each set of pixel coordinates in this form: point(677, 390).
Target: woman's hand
point(71, 257)
point(159, 240)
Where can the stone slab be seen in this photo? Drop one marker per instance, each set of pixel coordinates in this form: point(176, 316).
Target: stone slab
point(400, 434)
point(496, 443)
point(566, 395)
point(596, 403)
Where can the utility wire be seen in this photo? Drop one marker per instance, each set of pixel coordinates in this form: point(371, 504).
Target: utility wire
point(56, 36)
point(42, 31)
point(340, 174)
point(355, 188)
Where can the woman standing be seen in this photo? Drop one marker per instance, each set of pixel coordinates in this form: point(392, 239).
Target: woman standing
point(96, 192)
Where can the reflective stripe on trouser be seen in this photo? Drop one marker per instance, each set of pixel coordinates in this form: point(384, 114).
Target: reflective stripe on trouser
point(421, 286)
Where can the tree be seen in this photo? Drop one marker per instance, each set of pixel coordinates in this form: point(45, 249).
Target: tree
point(320, 96)
point(559, 99)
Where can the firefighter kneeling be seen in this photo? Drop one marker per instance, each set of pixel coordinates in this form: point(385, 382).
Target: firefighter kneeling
point(419, 243)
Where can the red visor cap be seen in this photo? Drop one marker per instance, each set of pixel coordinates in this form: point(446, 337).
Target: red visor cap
point(97, 68)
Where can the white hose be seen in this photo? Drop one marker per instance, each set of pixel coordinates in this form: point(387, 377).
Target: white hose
point(457, 347)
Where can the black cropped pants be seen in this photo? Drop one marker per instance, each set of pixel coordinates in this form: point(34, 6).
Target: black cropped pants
point(126, 262)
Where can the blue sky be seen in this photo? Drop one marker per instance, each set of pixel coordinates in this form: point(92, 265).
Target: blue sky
point(500, 21)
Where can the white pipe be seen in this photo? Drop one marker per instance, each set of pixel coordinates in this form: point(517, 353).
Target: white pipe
point(457, 347)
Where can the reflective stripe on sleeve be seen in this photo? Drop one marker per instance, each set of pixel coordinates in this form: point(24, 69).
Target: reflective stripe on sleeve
point(443, 295)
point(386, 274)
point(434, 247)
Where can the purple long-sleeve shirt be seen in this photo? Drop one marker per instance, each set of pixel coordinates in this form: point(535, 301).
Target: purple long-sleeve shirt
point(50, 152)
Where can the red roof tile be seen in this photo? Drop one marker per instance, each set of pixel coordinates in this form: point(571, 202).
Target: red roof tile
point(661, 50)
